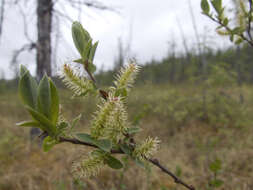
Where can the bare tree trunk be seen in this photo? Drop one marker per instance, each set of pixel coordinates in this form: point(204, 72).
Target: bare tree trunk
point(2, 16)
point(44, 27)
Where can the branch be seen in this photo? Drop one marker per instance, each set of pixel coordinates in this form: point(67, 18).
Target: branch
point(22, 12)
point(25, 47)
point(250, 20)
point(91, 4)
point(153, 161)
point(228, 29)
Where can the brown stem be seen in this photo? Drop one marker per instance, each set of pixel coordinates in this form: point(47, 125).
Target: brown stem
point(89, 73)
point(153, 161)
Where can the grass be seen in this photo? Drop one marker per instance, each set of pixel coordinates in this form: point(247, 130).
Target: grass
point(191, 139)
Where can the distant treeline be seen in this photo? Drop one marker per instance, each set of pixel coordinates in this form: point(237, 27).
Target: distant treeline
point(177, 69)
point(184, 68)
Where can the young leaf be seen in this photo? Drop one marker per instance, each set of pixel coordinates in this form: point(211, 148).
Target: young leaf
point(44, 97)
point(86, 138)
point(80, 37)
point(217, 4)
point(126, 149)
point(105, 145)
point(79, 61)
point(92, 52)
point(75, 121)
point(29, 124)
point(48, 143)
point(86, 50)
point(54, 109)
point(205, 6)
point(46, 124)
point(22, 71)
point(113, 162)
point(91, 67)
point(28, 89)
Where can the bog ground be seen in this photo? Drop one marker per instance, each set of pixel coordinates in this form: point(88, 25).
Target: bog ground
point(194, 135)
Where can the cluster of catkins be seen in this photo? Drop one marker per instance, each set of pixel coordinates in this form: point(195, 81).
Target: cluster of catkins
point(110, 121)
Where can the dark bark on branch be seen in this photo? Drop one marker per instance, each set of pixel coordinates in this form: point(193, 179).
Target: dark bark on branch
point(153, 161)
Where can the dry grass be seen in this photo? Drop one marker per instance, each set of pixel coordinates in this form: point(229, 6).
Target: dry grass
point(190, 148)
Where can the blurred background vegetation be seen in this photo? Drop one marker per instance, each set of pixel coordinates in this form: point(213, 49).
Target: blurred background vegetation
point(199, 103)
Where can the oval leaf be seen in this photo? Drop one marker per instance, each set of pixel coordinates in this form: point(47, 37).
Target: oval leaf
point(113, 162)
point(86, 138)
point(47, 124)
point(126, 149)
point(104, 144)
point(28, 90)
point(54, 109)
point(48, 143)
point(80, 37)
point(44, 97)
point(92, 52)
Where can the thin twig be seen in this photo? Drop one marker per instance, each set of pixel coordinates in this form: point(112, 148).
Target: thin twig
point(165, 170)
point(250, 16)
point(228, 29)
point(153, 161)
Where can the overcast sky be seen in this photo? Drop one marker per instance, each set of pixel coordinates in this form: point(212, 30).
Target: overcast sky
point(148, 26)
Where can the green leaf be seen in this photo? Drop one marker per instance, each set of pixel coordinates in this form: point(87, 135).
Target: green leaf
point(46, 123)
point(22, 71)
point(92, 52)
point(29, 124)
point(75, 121)
point(238, 41)
point(86, 138)
point(80, 37)
point(231, 37)
point(86, 51)
point(91, 67)
point(44, 97)
point(28, 89)
point(205, 6)
point(217, 4)
point(133, 130)
point(104, 144)
point(225, 21)
point(126, 149)
point(79, 61)
point(113, 162)
point(48, 143)
point(54, 109)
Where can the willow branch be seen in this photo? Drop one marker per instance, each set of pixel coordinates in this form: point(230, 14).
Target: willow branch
point(250, 20)
point(153, 161)
point(228, 29)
